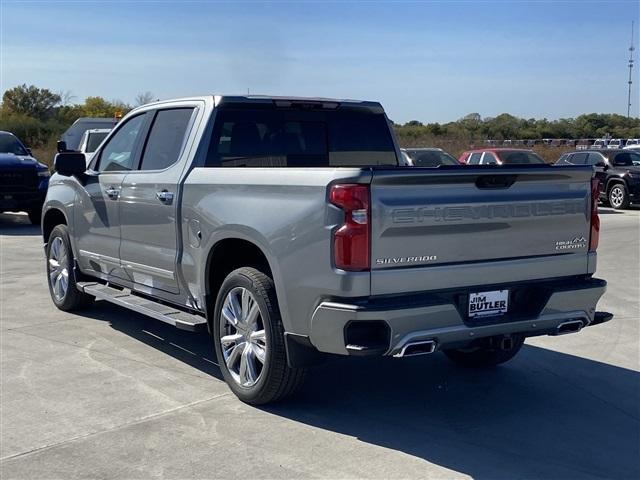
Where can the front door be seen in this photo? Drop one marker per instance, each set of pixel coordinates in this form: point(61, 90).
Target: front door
point(97, 216)
point(149, 199)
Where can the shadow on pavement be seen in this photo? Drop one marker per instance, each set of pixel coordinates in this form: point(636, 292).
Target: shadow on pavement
point(17, 224)
point(194, 349)
point(545, 414)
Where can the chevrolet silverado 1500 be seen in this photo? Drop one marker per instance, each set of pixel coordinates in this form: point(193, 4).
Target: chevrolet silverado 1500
point(289, 229)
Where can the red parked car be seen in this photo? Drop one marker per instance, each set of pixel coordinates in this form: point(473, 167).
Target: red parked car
point(500, 156)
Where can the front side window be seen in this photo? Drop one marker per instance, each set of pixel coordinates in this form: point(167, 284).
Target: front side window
point(166, 138)
point(118, 154)
point(300, 138)
point(626, 159)
point(595, 159)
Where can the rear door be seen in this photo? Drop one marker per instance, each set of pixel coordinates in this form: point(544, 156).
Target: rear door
point(149, 215)
point(453, 226)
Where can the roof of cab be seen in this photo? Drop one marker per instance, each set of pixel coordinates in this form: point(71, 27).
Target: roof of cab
point(285, 101)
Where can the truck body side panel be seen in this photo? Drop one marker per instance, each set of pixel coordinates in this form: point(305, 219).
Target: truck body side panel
point(284, 212)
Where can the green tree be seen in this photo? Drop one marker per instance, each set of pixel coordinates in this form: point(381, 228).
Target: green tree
point(99, 107)
point(30, 101)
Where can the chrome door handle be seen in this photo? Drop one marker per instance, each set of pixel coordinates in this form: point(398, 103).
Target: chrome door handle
point(112, 193)
point(165, 196)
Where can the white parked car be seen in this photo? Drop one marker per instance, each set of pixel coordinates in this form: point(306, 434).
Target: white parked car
point(632, 142)
point(616, 143)
point(600, 143)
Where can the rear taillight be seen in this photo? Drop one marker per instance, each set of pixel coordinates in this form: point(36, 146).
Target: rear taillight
point(351, 240)
point(595, 219)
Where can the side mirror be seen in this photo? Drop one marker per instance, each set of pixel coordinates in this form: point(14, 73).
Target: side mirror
point(61, 146)
point(70, 163)
point(601, 164)
point(29, 152)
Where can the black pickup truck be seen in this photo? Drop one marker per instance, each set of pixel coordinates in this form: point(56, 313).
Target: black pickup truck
point(618, 171)
point(23, 180)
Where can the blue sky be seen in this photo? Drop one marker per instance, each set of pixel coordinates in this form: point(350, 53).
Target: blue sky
point(430, 61)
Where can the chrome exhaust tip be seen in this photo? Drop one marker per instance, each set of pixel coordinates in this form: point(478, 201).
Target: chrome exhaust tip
point(413, 349)
point(571, 326)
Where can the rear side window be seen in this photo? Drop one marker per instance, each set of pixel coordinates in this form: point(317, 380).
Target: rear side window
point(299, 138)
point(166, 138)
point(474, 158)
point(521, 158)
point(489, 158)
point(94, 141)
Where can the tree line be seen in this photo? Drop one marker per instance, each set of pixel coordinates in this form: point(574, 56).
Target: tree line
point(38, 116)
point(474, 129)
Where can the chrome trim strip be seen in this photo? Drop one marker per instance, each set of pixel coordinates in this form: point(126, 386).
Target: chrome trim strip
point(148, 269)
point(99, 256)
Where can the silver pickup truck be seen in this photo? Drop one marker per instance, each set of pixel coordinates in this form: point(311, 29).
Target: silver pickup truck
point(290, 230)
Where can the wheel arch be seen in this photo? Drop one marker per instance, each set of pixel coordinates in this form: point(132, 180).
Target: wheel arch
point(615, 180)
point(225, 256)
point(52, 217)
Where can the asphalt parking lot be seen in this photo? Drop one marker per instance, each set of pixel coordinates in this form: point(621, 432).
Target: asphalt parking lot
point(110, 393)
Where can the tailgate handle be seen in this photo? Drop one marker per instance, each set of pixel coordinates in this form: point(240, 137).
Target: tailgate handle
point(495, 181)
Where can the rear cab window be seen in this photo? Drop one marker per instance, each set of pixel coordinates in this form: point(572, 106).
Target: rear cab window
point(293, 137)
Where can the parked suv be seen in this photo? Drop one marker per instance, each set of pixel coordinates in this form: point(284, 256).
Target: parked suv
point(289, 230)
point(23, 180)
point(618, 170)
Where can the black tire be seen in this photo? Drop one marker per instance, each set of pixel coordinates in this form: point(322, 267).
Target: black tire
point(617, 196)
point(73, 299)
point(276, 379)
point(35, 215)
point(485, 355)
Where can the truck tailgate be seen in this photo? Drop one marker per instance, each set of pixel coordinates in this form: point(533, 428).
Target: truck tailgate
point(452, 227)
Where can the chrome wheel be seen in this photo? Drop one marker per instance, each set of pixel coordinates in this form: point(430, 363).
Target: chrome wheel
point(242, 337)
point(616, 196)
point(58, 264)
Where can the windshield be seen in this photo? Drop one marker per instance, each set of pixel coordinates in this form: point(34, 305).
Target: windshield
point(431, 158)
point(10, 144)
point(300, 138)
point(520, 158)
point(95, 139)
